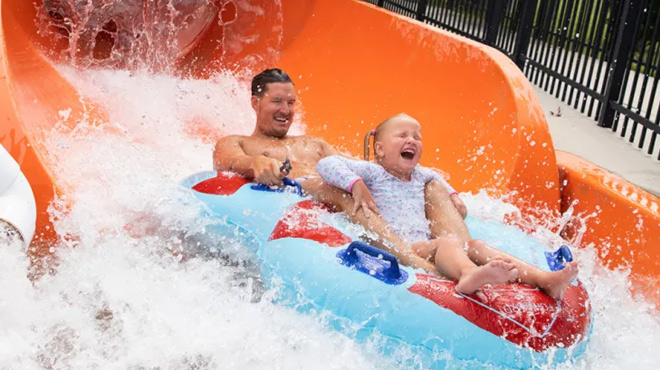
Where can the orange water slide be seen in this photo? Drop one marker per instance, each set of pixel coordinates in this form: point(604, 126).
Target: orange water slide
point(621, 221)
point(354, 65)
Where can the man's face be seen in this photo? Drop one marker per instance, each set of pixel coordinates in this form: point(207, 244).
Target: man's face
point(275, 109)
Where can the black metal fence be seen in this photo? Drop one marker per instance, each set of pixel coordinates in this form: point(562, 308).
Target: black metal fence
point(601, 56)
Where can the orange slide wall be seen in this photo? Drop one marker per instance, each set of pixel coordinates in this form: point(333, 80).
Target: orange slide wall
point(623, 221)
point(354, 65)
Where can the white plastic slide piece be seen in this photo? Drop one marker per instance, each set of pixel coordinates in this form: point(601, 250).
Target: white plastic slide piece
point(17, 205)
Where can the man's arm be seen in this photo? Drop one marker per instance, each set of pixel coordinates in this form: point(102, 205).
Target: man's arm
point(230, 156)
point(327, 149)
point(453, 194)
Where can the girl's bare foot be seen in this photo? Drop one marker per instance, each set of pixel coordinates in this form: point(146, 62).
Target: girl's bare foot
point(557, 282)
point(494, 272)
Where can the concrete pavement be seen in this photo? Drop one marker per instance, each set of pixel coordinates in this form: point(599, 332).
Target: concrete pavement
point(578, 134)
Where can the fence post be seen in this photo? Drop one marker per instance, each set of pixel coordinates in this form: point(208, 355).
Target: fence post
point(380, 3)
point(421, 9)
point(494, 14)
point(524, 34)
point(623, 46)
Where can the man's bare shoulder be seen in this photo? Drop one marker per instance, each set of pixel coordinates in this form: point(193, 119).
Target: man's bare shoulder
point(310, 139)
point(232, 138)
point(320, 143)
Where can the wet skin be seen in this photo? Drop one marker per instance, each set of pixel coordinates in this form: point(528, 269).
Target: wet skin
point(259, 156)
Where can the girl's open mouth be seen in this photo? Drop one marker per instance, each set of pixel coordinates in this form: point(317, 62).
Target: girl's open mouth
point(408, 154)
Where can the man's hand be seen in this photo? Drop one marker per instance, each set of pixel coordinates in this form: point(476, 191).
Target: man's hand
point(458, 203)
point(363, 199)
point(267, 170)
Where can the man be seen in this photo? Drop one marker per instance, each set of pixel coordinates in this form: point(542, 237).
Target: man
point(260, 157)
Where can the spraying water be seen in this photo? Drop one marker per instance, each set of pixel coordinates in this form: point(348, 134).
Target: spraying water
point(124, 296)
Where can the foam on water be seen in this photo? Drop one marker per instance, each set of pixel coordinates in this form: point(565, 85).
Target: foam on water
point(123, 299)
point(118, 305)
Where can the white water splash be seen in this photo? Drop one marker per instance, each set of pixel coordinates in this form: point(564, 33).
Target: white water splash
point(122, 300)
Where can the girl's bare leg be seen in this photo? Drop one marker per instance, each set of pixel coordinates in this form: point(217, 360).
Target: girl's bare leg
point(443, 217)
point(387, 239)
point(451, 260)
point(447, 252)
point(553, 283)
point(447, 226)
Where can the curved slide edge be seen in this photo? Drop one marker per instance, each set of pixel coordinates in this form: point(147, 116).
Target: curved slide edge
point(620, 220)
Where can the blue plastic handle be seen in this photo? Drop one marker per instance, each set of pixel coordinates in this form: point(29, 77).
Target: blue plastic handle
point(392, 271)
point(293, 183)
point(559, 258)
point(391, 274)
point(286, 181)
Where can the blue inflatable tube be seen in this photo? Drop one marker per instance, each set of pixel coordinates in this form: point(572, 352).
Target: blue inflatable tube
point(318, 267)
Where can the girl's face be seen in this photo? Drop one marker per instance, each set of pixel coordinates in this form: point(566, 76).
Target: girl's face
point(399, 146)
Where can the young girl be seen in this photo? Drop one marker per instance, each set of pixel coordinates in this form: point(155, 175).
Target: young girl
point(399, 187)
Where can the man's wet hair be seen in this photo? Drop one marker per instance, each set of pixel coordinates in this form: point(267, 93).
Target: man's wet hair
point(260, 82)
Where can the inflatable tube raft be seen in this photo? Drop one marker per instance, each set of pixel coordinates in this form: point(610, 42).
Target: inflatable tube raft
point(17, 205)
point(318, 267)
